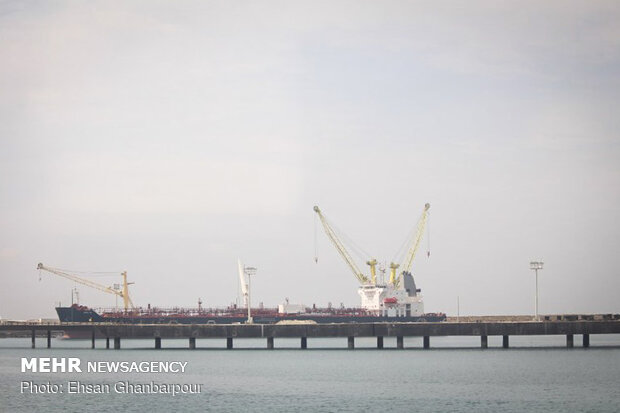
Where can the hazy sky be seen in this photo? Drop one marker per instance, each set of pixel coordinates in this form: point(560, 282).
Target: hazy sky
point(170, 138)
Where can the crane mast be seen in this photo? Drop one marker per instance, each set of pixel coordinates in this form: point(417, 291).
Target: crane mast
point(342, 250)
point(373, 270)
point(408, 261)
point(124, 293)
point(244, 283)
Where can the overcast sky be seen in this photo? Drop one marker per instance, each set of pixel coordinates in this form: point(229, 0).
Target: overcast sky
point(170, 138)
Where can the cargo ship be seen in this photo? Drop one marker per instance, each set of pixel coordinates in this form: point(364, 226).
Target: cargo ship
point(395, 300)
point(233, 315)
point(380, 303)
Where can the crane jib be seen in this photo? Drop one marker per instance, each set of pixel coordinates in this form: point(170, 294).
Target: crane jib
point(406, 264)
point(124, 293)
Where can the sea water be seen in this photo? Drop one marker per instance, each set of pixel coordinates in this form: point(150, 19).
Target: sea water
point(537, 374)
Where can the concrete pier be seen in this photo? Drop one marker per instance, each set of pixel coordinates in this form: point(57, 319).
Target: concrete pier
point(157, 343)
point(270, 343)
point(565, 327)
point(192, 343)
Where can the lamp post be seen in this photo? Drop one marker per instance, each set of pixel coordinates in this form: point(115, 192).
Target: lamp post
point(536, 265)
point(249, 271)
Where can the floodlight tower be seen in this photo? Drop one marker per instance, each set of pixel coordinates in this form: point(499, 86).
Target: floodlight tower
point(536, 265)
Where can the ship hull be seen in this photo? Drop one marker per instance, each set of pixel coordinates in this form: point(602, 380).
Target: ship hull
point(79, 314)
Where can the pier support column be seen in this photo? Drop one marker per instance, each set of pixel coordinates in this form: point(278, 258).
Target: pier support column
point(505, 342)
point(107, 342)
point(117, 343)
point(33, 335)
point(400, 342)
point(270, 343)
point(192, 343)
point(379, 342)
point(157, 343)
point(49, 338)
point(569, 341)
point(586, 340)
point(92, 339)
point(427, 342)
point(304, 342)
point(484, 342)
point(229, 343)
point(351, 342)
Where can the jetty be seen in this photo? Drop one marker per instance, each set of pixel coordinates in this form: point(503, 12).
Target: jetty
point(115, 332)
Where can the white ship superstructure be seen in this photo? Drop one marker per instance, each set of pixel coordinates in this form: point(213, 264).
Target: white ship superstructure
point(386, 300)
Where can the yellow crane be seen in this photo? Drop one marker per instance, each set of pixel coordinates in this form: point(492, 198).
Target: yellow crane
point(413, 248)
point(344, 253)
point(124, 293)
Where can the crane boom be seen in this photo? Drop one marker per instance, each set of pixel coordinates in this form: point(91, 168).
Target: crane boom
point(244, 283)
point(416, 241)
point(340, 247)
point(408, 261)
point(124, 293)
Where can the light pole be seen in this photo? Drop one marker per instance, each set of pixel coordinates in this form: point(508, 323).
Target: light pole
point(248, 272)
point(536, 265)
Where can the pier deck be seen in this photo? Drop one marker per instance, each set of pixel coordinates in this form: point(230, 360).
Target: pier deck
point(304, 331)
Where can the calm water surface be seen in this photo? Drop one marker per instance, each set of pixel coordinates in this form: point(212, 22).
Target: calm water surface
point(535, 375)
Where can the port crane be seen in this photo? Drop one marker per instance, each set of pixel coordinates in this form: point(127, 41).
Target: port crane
point(363, 279)
point(405, 265)
point(123, 293)
point(411, 252)
point(244, 283)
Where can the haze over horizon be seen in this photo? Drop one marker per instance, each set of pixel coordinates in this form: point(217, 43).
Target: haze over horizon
point(169, 139)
